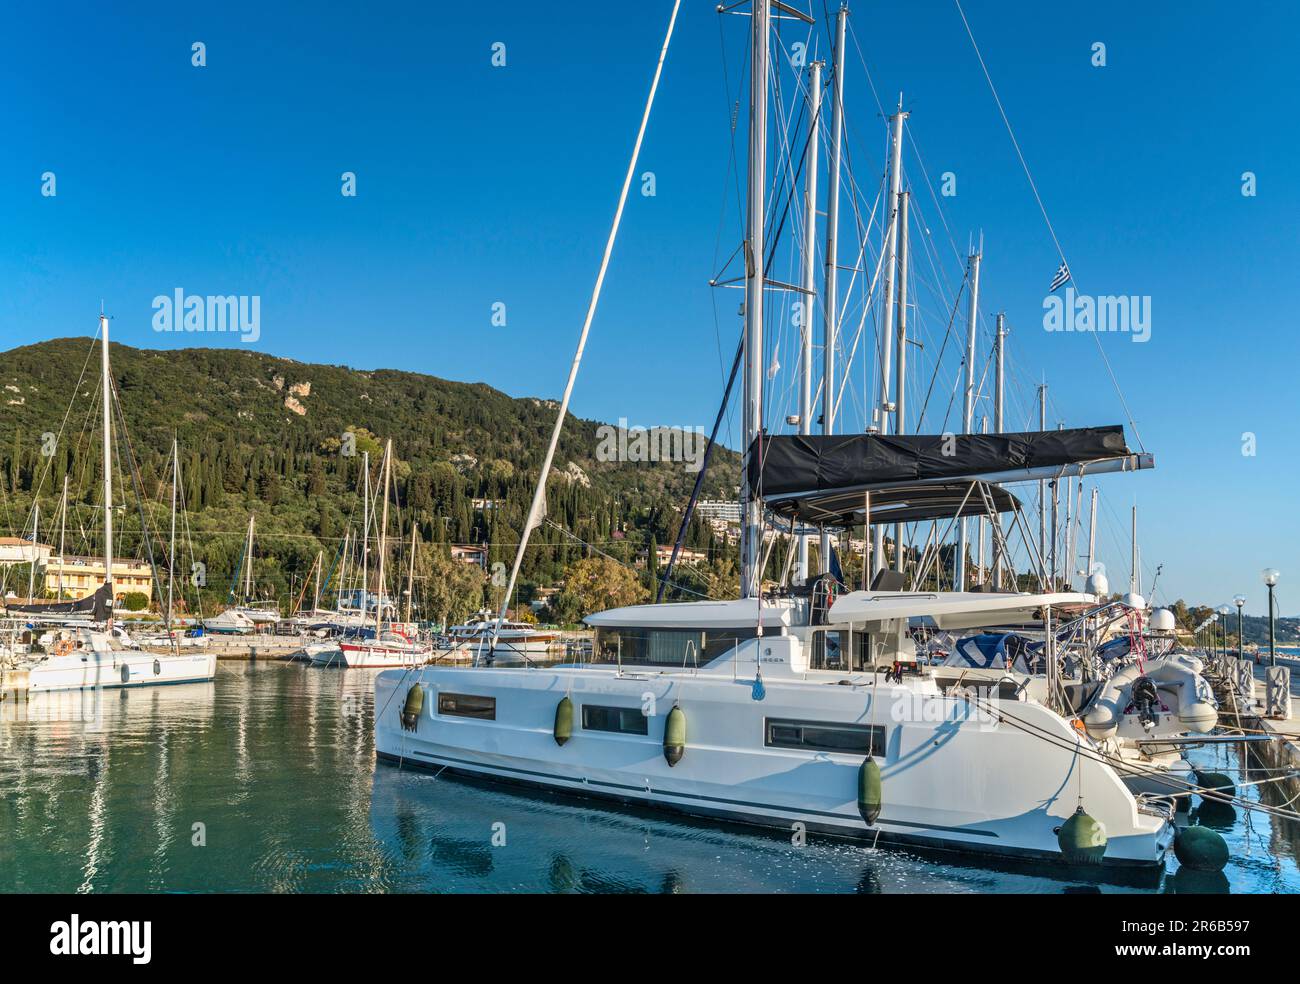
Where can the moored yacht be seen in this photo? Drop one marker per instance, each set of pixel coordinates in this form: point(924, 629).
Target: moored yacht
point(483, 636)
point(689, 708)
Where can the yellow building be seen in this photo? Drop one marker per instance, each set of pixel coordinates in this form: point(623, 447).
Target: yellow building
point(82, 576)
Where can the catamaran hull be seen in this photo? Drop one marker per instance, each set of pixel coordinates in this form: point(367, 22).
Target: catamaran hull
point(946, 785)
point(117, 669)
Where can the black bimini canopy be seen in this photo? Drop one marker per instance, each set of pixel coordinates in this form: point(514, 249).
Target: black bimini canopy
point(806, 464)
point(898, 504)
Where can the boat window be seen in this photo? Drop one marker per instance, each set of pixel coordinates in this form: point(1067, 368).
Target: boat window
point(640, 646)
point(621, 720)
point(830, 650)
point(468, 705)
point(826, 736)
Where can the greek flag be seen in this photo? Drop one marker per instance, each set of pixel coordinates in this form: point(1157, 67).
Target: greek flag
point(1062, 277)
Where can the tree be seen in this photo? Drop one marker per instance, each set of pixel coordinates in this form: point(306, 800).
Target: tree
point(597, 583)
point(135, 601)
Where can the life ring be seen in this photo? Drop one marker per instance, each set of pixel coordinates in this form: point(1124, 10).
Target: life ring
point(63, 647)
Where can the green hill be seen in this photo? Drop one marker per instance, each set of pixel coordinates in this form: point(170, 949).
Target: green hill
point(275, 437)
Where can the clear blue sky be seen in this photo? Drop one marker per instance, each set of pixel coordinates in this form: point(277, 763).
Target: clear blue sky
point(479, 184)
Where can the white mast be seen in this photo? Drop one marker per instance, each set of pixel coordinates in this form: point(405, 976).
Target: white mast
point(808, 300)
point(886, 406)
point(830, 299)
point(410, 577)
point(248, 561)
point(968, 416)
point(384, 471)
point(108, 469)
point(171, 550)
point(320, 569)
point(900, 379)
point(1133, 580)
point(31, 555)
point(365, 535)
point(751, 541)
point(1042, 491)
point(1092, 531)
point(999, 392)
point(63, 529)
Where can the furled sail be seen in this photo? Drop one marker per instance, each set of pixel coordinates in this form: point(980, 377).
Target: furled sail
point(97, 606)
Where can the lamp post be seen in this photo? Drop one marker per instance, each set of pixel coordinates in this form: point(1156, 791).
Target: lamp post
point(1270, 578)
point(1240, 600)
point(1214, 635)
point(1224, 612)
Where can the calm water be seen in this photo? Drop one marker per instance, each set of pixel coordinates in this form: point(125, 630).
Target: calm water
point(275, 761)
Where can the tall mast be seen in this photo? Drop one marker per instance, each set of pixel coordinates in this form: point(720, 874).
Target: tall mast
point(1042, 491)
point(900, 378)
point(171, 550)
point(1133, 570)
point(999, 422)
point(383, 532)
point(830, 298)
point(248, 560)
point(365, 534)
point(886, 406)
point(343, 570)
point(36, 535)
point(751, 543)
point(108, 468)
point(410, 578)
point(808, 300)
point(63, 529)
point(1092, 530)
point(968, 415)
point(320, 569)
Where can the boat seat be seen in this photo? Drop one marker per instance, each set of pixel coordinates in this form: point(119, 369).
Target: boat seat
point(1080, 695)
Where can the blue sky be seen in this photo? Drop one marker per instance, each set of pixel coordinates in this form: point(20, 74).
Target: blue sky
point(479, 184)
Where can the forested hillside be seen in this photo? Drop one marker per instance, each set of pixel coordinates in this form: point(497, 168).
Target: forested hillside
point(285, 441)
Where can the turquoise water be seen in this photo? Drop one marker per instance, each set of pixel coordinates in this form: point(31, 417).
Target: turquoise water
point(265, 781)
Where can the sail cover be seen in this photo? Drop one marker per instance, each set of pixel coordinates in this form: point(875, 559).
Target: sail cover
point(802, 464)
point(95, 605)
point(896, 504)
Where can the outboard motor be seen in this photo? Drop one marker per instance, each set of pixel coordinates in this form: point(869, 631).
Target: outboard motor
point(1145, 700)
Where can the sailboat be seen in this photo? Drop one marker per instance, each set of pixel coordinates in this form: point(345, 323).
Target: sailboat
point(804, 706)
point(248, 615)
point(391, 644)
point(100, 653)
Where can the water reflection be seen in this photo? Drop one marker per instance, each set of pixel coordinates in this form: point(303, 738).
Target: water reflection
point(265, 780)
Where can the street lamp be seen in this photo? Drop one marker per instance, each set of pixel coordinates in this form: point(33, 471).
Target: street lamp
point(1224, 612)
point(1214, 635)
point(1240, 600)
point(1270, 578)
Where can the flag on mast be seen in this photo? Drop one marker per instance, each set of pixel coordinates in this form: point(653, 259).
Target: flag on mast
point(1062, 277)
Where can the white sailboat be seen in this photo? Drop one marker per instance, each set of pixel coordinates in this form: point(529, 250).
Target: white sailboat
point(103, 655)
point(391, 644)
point(247, 615)
point(796, 708)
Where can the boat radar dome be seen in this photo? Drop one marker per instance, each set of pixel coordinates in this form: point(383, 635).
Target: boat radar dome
point(1134, 601)
point(1162, 621)
point(1097, 584)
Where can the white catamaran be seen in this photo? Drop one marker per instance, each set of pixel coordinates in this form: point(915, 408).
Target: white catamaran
point(794, 706)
